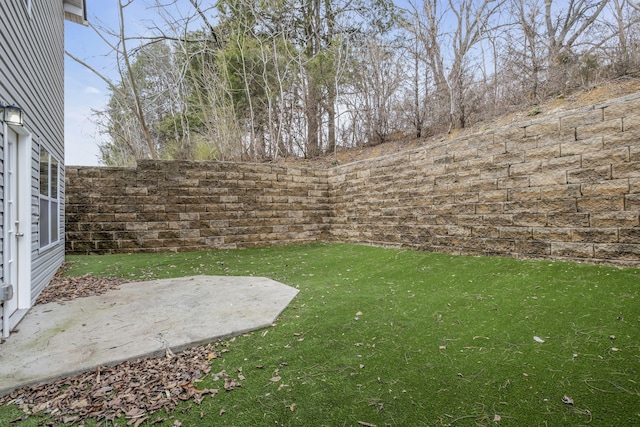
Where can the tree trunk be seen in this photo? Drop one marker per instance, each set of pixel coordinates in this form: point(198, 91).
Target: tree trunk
point(134, 88)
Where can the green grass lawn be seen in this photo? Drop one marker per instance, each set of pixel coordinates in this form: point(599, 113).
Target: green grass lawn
point(401, 338)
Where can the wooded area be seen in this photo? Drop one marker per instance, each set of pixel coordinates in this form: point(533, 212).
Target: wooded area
point(277, 78)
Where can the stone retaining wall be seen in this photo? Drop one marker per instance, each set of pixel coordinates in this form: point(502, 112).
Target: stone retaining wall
point(561, 187)
point(180, 206)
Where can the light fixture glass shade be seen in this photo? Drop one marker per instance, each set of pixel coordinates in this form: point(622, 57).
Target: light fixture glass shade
point(13, 115)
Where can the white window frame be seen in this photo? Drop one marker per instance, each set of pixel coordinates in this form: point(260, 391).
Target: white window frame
point(49, 236)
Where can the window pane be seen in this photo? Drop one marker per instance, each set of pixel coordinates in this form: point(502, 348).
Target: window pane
point(44, 223)
point(49, 226)
point(54, 222)
point(54, 178)
point(44, 172)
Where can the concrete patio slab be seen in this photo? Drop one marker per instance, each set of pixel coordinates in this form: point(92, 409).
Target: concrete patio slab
point(140, 319)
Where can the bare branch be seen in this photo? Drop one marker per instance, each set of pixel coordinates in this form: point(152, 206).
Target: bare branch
point(109, 83)
point(633, 4)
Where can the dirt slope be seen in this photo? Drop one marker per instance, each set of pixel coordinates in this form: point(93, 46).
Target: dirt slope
point(610, 90)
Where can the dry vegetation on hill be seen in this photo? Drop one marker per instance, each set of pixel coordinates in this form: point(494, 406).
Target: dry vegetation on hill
point(399, 142)
point(265, 81)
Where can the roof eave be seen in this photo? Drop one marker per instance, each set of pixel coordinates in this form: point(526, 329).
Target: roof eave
point(75, 11)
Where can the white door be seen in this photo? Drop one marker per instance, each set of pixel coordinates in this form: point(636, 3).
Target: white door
point(13, 233)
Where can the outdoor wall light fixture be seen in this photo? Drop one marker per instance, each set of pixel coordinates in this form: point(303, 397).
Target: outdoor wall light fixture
point(12, 115)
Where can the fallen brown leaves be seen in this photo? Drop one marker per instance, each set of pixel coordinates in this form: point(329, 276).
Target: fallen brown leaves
point(68, 288)
point(133, 389)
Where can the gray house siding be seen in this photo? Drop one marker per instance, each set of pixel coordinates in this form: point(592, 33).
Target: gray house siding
point(32, 77)
point(1, 206)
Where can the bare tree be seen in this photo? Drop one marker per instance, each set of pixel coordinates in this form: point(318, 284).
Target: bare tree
point(634, 5)
point(524, 54)
point(564, 27)
point(129, 92)
point(374, 102)
point(449, 36)
point(261, 80)
point(414, 49)
point(624, 18)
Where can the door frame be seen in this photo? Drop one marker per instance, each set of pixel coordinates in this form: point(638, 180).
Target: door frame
point(22, 245)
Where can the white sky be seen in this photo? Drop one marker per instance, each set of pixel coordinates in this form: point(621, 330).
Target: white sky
point(84, 90)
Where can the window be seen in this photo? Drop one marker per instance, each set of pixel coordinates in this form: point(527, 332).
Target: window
point(49, 199)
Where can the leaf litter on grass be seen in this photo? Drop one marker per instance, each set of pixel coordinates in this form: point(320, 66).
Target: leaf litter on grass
point(69, 288)
point(485, 316)
point(132, 389)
